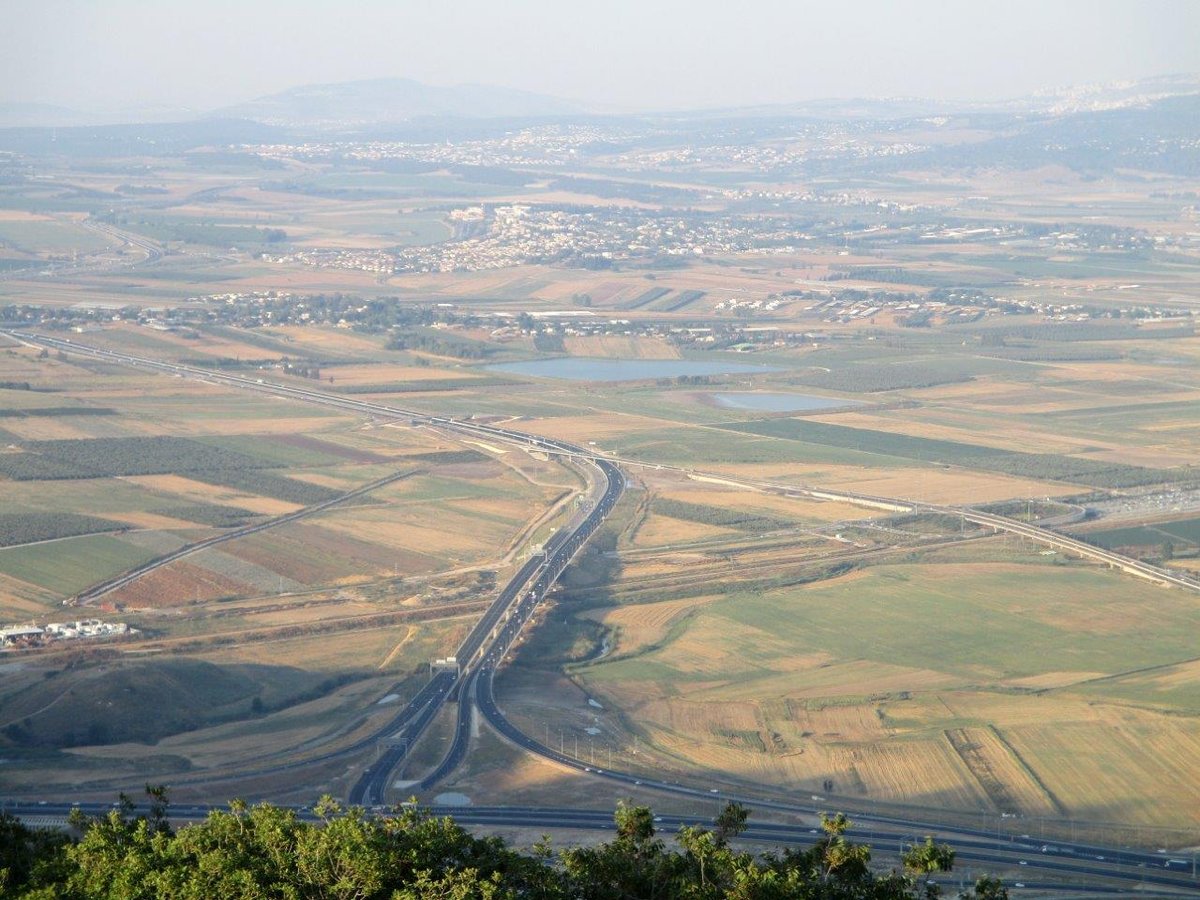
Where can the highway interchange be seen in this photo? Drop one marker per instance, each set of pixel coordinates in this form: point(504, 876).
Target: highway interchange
point(470, 682)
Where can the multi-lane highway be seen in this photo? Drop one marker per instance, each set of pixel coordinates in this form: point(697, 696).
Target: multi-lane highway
point(1084, 868)
point(555, 447)
point(489, 642)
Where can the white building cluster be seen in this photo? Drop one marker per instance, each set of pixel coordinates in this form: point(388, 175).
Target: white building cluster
point(32, 635)
point(519, 234)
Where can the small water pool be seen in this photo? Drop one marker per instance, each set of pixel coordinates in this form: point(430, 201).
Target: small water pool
point(779, 402)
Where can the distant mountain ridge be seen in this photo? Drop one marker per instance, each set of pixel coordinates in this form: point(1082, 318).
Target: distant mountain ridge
point(401, 101)
point(387, 100)
point(1057, 101)
point(40, 115)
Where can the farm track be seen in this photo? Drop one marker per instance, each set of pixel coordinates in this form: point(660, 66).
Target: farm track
point(699, 575)
point(979, 767)
point(503, 617)
point(719, 545)
point(332, 625)
point(104, 588)
point(431, 697)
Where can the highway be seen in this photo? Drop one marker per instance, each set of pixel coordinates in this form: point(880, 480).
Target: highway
point(1063, 542)
point(153, 250)
point(490, 641)
point(563, 448)
point(408, 725)
point(1084, 868)
point(93, 263)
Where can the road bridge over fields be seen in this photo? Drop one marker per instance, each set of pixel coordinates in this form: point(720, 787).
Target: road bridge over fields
point(491, 640)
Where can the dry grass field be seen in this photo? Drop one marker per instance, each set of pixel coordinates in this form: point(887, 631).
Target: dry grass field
point(744, 637)
point(657, 531)
point(963, 685)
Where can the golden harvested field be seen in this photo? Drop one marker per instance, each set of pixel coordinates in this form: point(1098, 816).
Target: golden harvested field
point(315, 555)
point(151, 521)
point(657, 531)
point(202, 492)
point(50, 429)
point(944, 692)
point(341, 482)
point(1181, 454)
point(20, 600)
point(448, 532)
point(340, 340)
point(1132, 766)
point(949, 486)
point(644, 624)
point(1013, 437)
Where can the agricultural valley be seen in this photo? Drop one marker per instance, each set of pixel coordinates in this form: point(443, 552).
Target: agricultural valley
point(259, 386)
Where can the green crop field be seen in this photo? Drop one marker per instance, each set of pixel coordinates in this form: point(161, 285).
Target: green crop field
point(1185, 531)
point(935, 679)
point(698, 446)
point(277, 451)
point(959, 620)
point(70, 565)
point(51, 237)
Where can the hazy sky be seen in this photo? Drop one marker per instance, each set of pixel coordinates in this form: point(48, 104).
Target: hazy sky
point(628, 54)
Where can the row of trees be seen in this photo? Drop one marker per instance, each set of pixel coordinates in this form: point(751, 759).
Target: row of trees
point(268, 852)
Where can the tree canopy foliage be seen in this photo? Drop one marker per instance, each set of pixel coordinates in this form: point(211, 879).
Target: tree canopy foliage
point(267, 852)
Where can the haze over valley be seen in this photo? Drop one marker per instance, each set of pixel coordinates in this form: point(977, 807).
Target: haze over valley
point(523, 445)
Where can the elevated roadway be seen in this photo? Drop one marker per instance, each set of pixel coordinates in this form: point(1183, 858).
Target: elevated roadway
point(490, 641)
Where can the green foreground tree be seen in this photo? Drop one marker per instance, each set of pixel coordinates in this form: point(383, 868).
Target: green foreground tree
point(268, 853)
